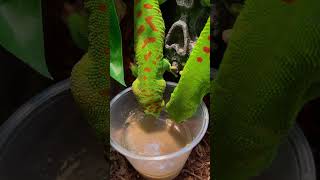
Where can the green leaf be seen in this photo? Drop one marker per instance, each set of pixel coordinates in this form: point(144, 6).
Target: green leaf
point(21, 32)
point(116, 59)
point(162, 1)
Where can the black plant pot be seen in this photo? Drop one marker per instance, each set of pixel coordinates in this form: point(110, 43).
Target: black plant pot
point(47, 139)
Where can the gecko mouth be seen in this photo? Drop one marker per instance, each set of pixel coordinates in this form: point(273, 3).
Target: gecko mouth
point(178, 37)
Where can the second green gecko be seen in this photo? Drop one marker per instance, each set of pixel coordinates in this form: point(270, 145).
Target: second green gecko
point(194, 83)
point(270, 69)
point(90, 76)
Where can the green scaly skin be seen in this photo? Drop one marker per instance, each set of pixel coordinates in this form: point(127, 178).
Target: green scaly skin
point(194, 83)
point(150, 85)
point(270, 69)
point(90, 76)
point(149, 40)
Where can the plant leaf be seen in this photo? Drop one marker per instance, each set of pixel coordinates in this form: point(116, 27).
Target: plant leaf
point(116, 59)
point(21, 32)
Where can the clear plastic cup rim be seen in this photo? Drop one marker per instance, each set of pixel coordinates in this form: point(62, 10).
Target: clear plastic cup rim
point(185, 149)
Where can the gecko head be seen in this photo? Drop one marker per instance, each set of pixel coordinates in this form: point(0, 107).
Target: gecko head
point(150, 95)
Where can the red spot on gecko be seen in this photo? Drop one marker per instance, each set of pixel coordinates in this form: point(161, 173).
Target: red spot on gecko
point(104, 92)
point(102, 7)
point(206, 49)
point(149, 22)
point(147, 56)
point(140, 29)
point(107, 51)
point(154, 62)
point(199, 59)
point(139, 13)
point(147, 69)
point(153, 107)
point(148, 95)
point(158, 105)
point(148, 40)
point(289, 1)
point(209, 37)
point(144, 78)
point(136, 1)
point(148, 6)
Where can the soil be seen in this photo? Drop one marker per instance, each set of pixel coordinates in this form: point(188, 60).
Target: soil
point(197, 166)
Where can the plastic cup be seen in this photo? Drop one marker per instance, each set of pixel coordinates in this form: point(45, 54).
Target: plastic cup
point(160, 167)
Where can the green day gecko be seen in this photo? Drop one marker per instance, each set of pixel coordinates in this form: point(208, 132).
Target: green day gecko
point(90, 76)
point(149, 41)
point(149, 85)
point(194, 83)
point(270, 69)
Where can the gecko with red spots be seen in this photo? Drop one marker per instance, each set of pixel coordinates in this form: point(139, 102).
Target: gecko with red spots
point(149, 85)
point(149, 41)
point(90, 76)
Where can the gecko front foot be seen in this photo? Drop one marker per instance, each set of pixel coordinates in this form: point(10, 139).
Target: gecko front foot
point(150, 95)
